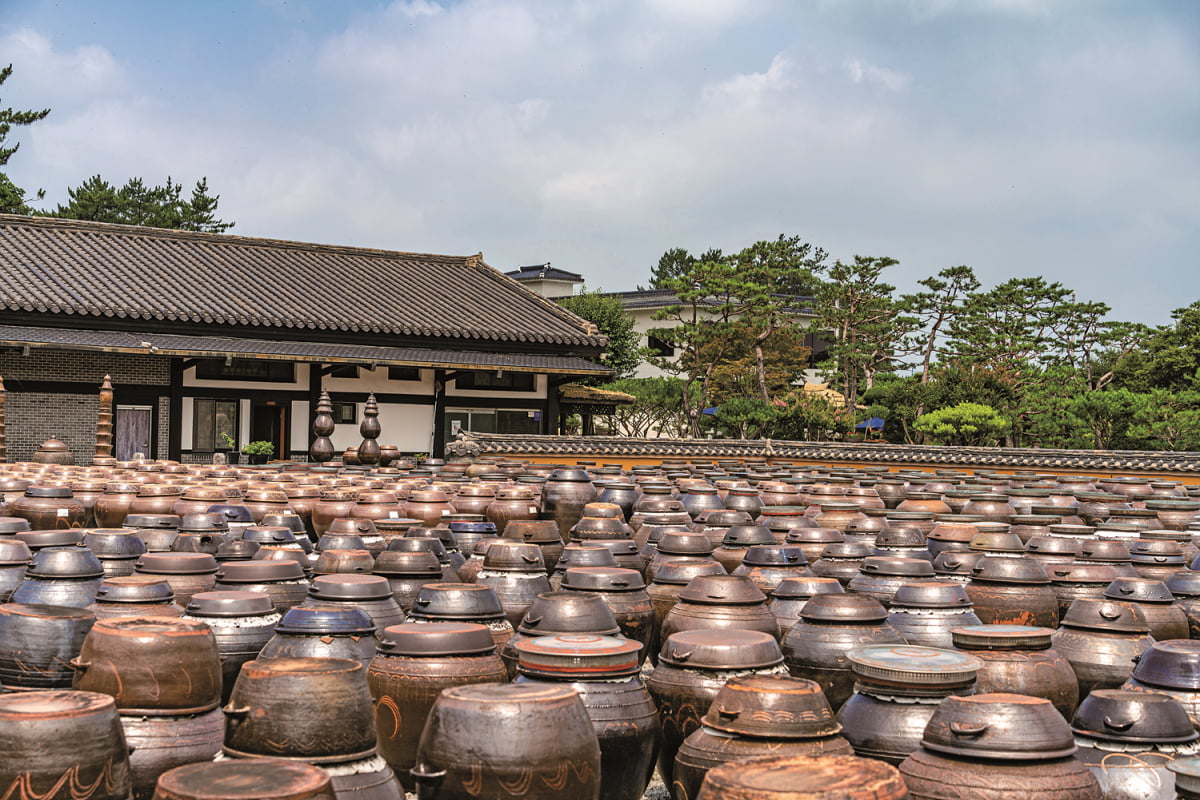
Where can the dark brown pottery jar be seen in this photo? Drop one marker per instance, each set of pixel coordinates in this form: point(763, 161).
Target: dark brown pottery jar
point(462, 602)
point(61, 576)
point(881, 576)
point(737, 540)
point(1012, 591)
point(49, 507)
point(323, 631)
point(1127, 739)
point(1172, 668)
point(925, 612)
point(1019, 659)
point(792, 594)
point(333, 504)
point(413, 665)
point(998, 747)
point(62, 744)
point(282, 581)
point(188, 573)
point(111, 507)
point(624, 592)
point(767, 565)
point(830, 626)
point(135, 596)
point(1070, 582)
point(720, 602)
point(1101, 639)
point(157, 531)
point(241, 622)
point(371, 593)
point(37, 644)
point(543, 533)
point(692, 668)
point(841, 560)
point(516, 572)
point(1166, 620)
point(516, 503)
point(671, 578)
point(897, 691)
point(482, 738)
point(1185, 587)
point(804, 778)
point(245, 779)
point(406, 573)
point(753, 717)
point(564, 495)
point(15, 556)
point(155, 498)
point(604, 671)
point(559, 613)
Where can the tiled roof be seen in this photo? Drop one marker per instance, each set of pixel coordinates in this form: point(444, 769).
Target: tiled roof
point(578, 393)
point(98, 271)
point(833, 452)
point(326, 352)
point(543, 272)
point(660, 298)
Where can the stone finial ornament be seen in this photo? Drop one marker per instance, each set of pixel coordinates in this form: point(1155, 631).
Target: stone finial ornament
point(321, 450)
point(104, 423)
point(3, 445)
point(368, 450)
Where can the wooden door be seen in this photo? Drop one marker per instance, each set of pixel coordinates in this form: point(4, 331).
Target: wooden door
point(132, 432)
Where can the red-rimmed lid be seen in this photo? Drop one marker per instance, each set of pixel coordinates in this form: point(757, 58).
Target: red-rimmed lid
point(577, 656)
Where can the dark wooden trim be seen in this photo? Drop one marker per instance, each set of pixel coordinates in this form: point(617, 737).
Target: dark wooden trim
point(438, 448)
point(76, 387)
point(391, 399)
point(536, 404)
point(175, 413)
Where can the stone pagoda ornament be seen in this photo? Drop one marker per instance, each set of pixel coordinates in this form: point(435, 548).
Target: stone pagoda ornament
point(368, 451)
point(104, 425)
point(3, 445)
point(321, 449)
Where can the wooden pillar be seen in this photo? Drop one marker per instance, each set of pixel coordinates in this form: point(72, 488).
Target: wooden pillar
point(175, 412)
point(438, 446)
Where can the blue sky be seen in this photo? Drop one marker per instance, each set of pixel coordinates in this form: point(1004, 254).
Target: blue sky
point(1021, 137)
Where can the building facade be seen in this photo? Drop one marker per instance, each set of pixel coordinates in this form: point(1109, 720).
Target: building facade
point(213, 341)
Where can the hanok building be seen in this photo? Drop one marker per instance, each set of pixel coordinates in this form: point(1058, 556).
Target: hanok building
point(211, 336)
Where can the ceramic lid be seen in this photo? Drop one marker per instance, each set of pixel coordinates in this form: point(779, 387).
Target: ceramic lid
point(849, 608)
point(680, 571)
point(676, 543)
point(537, 531)
point(340, 541)
point(230, 604)
point(772, 706)
point(325, 620)
point(1187, 774)
point(1184, 583)
point(932, 594)
point(14, 552)
point(350, 587)
point(237, 550)
point(259, 571)
point(996, 542)
point(1081, 573)
point(230, 513)
point(722, 590)
point(135, 589)
point(746, 535)
point(466, 601)
point(64, 562)
point(726, 518)
point(1120, 715)
point(568, 612)
point(417, 565)
point(1103, 550)
point(855, 551)
point(1001, 637)
point(570, 475)
point(901, 536)
point(49, 491)
point(953, 562)
point(997, 569)
point(577, 656)
point(1138, 590)
point(1105, 615)
point(436, 639)
point(62, 537)
point(507, 555)
point(244, 779)
point(576, 555)
point(602, 579)
point(806, 778)
point(165, 521)
point(1052, 544)
point(999, 726)
point(804, 587)
point(1173, 664)
point(896, 566)
point(724, 649)
point(907, 664)
point(202, 523)
point(269, 535)
point(815, 536)
point(11, 525)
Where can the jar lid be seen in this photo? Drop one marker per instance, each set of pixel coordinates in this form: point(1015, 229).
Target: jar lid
point(1052, 544)
point(721, 649)
point(1105, 615)
point(412, 564)
point(135, 589)
point(815, 536)
point(1001, 637)
point(325, 620)
point(578, 656)
point(912, 665)
point(847, 608)
point(64, 562)
point(603, 579)
point(999, 726)
point(202, 523)
point(1082, 573)
point(1173, 664)
point(805, 587)
point(746, 535)
point(350, 587)
point(772, 706)
point(568, 612)
point(230, 604)
point(680, 571)
point(896, 566)
point(268, 535)
point(259, 571)
point(14, 552)
point(462, 601)
point(244, 779)
point(49, 491)
point(806, 778)
point(1137, 590)
point(722, 590)
point(1184, 583)
point(774, 555)
point(855, 551)
point(956, 562)
point(61, 537)
point(10, 525)
point(164, 521)
point(1122, 715)
point(932, 594)
point(678, 543)
point(1009, 570)
point(433, 639)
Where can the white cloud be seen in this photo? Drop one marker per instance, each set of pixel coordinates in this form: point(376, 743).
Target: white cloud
point(865, 72)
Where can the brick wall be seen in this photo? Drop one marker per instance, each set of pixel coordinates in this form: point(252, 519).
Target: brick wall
point(64, 365)
point(33, 417)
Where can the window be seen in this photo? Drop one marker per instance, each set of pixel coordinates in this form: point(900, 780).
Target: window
point(344, 371)
point(404, 373)
point(512, 381)
point(659, 347)
point(492, 420)
point(345, 413)
point(211, 418)
point(247, 369)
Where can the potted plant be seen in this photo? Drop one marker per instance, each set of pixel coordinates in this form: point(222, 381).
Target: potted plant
point(258, 452)
point(229, 447)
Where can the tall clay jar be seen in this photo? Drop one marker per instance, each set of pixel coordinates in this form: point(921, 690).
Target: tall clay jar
point(624, 592)
point(515, 503)
point(1019, 659)
point(564, 495)
point(604, 671)
point(1185, 587)
point(242, 622)
point(1171, 668)
point(411, 667)
point(1102, 639)
point(334, 504)
point(534, 737)
point(112, 506)
point(720, 602)
point(49, 507)
point(155, 498)
point(1012, 591)
point(692, 668)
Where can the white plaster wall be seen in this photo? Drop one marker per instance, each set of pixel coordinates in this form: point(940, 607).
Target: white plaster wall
point(409, 427)
point(377, 381)
point(187, 411)
point(301, 425)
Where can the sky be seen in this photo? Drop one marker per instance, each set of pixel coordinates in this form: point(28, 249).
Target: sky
point(1058, 138)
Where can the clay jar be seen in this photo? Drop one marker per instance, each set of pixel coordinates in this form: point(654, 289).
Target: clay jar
point(720, 602)
point(1001, 746)
point(413, 665)
point(315, 709)
point(117, 549)
point(756, 716)
point(558, 613)
point(517, 573)
point(676, 544)
point(1185, 587)
point(1012, 591)
point(322, 631)
point(241, 622)
point(814, 541)
point(155, 498)
point(1101, 639)
point(806, 777)
point(1172, 668)
point(152, 666)
point(604, 671)
point(767, 565)
point(282, 581)
point(49, 507)
point(482, 738)
point(135, 596)
point(897, 692)
point(624, 592)
point(692, 668)
point(830, 626)
point(881, 576)
point(1019, 659)
point(254, 779)
point(841, 560)
point(462, 602)
point(516, 503)
point(925, 612)
point(671, 578)
point(792, 594)
point(15, 555)
point(188, 573)
point(37, 644)
point(543, 533)
point(564, 495)
point(371, 593)
point(1069, 582)
point(737, 540)
point(112, 506)
point(334, 504)
point(60, 744)
point(157, 531)
point(1166, 620)
point(61, 576)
